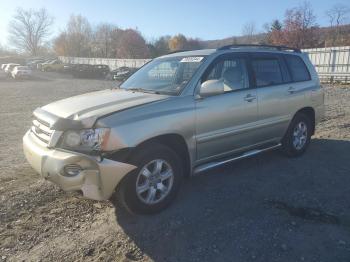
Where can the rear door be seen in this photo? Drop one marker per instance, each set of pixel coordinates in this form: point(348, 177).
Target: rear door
point(278, 95)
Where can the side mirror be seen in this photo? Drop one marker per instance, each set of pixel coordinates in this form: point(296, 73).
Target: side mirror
point(212, 87)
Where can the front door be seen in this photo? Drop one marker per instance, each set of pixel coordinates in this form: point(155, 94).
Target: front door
point(225, 122)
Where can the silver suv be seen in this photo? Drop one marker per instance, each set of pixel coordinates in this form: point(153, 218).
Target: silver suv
point(178, 115)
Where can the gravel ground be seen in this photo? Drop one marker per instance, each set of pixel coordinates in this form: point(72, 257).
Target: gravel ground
point(268, 208)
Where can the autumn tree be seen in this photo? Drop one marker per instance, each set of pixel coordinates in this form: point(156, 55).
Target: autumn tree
point(29, 29)
point(76, 39)
point(180, 42)
point(60, 44)
point(300, 27)
point(177, 42)
point(132, 45)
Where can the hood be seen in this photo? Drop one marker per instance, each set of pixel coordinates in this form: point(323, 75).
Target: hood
point(99, 103)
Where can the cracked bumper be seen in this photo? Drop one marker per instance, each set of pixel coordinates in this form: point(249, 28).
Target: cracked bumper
point(97, 179)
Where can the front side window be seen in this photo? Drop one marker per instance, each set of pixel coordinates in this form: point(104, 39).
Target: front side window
point(297, 68)
point(231, 72)
point(165, 75)
point(267, 71)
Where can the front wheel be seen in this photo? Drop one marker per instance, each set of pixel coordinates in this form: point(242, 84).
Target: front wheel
point(154, 184)
point(298, 136)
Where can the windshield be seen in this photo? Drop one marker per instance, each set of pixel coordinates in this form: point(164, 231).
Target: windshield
point(164, 75)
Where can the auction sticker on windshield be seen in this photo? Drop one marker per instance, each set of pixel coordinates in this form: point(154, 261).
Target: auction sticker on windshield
point(191, 59)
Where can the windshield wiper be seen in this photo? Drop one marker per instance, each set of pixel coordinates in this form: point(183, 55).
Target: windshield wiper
point(143, 90)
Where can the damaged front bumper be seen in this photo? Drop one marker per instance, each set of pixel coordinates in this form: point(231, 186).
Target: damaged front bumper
point(96, 178)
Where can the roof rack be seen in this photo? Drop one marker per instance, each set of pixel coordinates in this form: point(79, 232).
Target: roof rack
point(277, 47)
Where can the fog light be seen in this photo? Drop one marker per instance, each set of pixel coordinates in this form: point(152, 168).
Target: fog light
point(72, 170)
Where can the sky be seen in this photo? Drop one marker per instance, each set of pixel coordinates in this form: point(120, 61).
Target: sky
point(213, 19)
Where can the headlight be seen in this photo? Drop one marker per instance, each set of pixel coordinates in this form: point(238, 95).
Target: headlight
point(72, 139)
point(86, 139)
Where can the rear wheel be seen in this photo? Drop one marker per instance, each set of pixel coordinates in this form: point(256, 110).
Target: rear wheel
point(298, 136)
point(154, 184)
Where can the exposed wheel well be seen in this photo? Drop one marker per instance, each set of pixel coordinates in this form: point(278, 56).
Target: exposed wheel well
point(309, 112)
point(175, 142)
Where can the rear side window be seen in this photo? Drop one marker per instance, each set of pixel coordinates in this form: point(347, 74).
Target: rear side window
point(267, 71)
point(297, 68)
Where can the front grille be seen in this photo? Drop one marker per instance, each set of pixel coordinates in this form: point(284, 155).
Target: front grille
point(41, 129)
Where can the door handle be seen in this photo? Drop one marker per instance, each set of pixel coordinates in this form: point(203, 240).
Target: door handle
point(291, 90)
point(249, 98)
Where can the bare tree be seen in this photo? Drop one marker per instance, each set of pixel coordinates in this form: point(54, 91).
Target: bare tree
point(337, 16)
point(76, 40)
point(249, 30)
point(29, 29)
point(79, 36)
point(161, 45)
point(103, 39)
point(116, 38)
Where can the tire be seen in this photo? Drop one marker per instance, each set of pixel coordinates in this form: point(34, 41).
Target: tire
point(295, 133)
point(148, 157)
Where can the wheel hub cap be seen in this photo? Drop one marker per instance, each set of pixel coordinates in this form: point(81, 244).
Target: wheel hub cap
point(299, 135)
point(154, 181)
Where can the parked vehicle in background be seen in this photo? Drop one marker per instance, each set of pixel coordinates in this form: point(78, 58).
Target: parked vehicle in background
point(178, 115)
point(33, 63)
point(90, 71)
point(3, 66)
point(67, 68)
point(21, 72)
point(47, 61)
point(100, 71)
point(55, 65)
point(121, 73)
point(80, 70)
point(9, 67)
